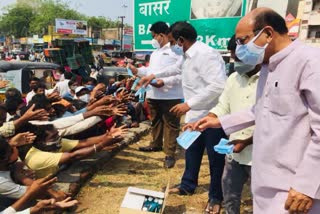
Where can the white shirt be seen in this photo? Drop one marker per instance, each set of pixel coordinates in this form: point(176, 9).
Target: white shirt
point(238, 94)
point(62, 87)
point(203, 79)
point(79, 126)
point(32, 93)
point(11, 210)
point(8, 188)
point(160, 60)
point(71, 125)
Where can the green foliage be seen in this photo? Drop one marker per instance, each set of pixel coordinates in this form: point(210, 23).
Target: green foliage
point(28, 17)
point(16, 21)
point(48, 11)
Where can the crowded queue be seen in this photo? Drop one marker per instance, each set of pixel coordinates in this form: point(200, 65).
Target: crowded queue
point(50, 129)
point(267, 108)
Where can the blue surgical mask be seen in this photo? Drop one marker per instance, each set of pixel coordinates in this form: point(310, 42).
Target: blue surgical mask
point(187, 138)
point(177, 49)
point(251, 53)
point(90, 87)
point(223, 148)
point(242, 68)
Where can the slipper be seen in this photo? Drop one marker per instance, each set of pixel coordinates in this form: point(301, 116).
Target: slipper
point(177, 189)
point(213, 207)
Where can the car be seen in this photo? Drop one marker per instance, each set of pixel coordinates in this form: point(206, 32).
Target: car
point(16, 50)
point(108, 72)
point(18, 74)
point(105, 56)
point(118, 56)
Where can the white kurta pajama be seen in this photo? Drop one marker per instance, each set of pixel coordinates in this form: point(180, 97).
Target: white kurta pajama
point(286, 149)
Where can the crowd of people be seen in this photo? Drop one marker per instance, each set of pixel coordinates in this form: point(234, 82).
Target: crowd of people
point(268, 109)
point(53, 126)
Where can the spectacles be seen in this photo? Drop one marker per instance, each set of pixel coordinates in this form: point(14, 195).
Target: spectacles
point(242, 40)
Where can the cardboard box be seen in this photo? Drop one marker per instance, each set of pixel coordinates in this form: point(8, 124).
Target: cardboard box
point(134, 199)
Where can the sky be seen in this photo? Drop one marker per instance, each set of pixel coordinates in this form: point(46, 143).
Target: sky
point(107, 8)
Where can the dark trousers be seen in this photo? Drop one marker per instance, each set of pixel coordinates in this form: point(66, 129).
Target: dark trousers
point(207, 140)
point(165, 125)
point(235, 175)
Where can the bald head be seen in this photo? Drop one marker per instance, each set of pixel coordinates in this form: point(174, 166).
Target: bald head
point(261, 17)
point(265, 28)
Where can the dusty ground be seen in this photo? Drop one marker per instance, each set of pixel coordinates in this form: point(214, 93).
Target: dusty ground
point(104, 193)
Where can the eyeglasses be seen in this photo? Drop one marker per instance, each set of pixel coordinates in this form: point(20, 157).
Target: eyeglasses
point(242, 40)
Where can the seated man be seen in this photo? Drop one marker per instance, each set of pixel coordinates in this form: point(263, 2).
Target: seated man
point(14, 179)
point(49, 151)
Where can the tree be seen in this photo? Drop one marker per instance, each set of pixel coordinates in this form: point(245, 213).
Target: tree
point(34, 17)
point(17, 21)
point(48, 11)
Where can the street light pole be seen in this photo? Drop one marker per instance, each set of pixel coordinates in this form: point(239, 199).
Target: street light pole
point(121, 40)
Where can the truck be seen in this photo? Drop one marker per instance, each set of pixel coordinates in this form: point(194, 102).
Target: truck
point(73, 53)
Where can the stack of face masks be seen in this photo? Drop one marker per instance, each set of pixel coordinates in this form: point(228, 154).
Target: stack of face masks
point(135, 83)
point(141, 93)
point(223, 148)
point(130, 72)
point(152, 204)
point(187, 138)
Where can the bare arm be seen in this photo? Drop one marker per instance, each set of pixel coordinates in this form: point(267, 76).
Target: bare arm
point(93, 145)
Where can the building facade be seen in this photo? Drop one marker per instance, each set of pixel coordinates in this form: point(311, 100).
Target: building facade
point(310, 23)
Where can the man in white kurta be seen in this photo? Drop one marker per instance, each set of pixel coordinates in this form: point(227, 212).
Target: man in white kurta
point(286, 148)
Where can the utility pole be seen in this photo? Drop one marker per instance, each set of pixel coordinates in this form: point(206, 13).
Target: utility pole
point(121, 36)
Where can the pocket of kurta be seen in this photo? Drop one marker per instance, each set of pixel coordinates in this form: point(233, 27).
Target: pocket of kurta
point(281, 104)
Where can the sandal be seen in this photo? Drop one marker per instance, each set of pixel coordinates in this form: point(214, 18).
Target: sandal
point(177, 189)
point(213, 207)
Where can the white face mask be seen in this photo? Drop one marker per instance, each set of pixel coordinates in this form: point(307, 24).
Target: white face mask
point(155, 44)
point(85, 98)
point(73, 87)
point(55, 143)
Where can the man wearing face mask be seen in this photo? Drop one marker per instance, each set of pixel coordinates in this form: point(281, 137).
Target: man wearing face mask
point(203, 80)
point(286, 140)
point(164, 94)
point(238, 94)
point(83, 94)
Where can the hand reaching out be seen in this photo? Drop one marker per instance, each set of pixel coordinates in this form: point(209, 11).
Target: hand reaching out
point(22, 139)
point(118, 132)
point(41, 185)
point(51, 204)
point(32, 114)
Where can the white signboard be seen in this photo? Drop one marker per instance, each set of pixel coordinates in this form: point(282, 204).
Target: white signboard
point(66, 26)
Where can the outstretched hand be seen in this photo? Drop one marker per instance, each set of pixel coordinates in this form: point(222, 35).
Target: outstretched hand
point(118, 132)
point(41, 185)
point(32, 114)
point(22, 139)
